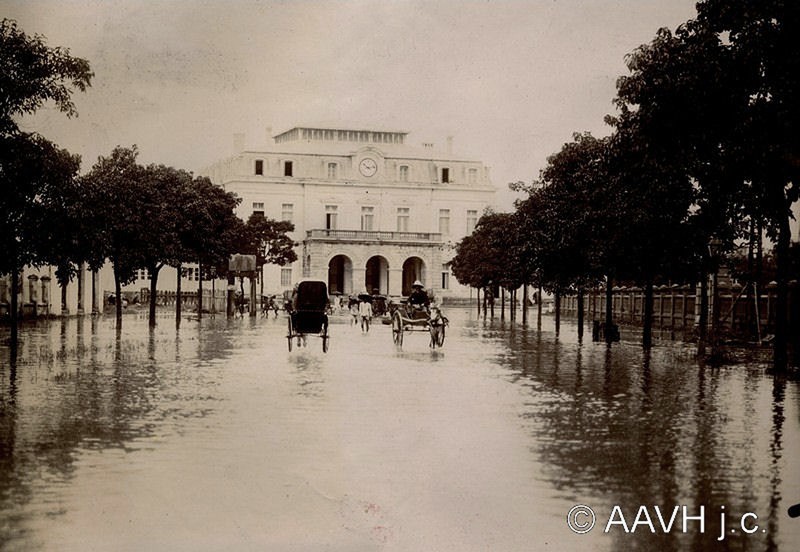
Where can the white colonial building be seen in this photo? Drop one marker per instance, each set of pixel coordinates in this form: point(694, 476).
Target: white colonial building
point(371, 212)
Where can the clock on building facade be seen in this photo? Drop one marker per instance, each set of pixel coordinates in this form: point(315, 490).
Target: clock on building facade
point(368, 167)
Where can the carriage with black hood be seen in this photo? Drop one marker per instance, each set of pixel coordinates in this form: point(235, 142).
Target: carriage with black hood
point(308, 313)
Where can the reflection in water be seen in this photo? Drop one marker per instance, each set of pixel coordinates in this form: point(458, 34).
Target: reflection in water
point(652, 430)
point(482, 445)
point(60, 397)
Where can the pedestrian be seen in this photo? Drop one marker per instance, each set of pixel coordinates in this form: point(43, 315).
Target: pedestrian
point(353, 311)
point(365, 313)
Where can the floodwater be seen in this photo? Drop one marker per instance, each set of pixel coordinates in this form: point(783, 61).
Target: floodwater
point(216, 437)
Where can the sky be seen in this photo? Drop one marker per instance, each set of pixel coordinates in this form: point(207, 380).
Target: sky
point(511, 81)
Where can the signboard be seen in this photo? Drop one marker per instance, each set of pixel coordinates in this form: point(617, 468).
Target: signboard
point(242, 263)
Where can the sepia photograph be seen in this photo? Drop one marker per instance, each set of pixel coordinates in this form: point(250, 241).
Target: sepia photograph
point(399, 275)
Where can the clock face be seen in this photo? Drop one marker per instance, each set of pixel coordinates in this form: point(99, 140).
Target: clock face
point(368, 166)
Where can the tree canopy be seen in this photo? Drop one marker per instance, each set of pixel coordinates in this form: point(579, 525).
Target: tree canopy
point(34, 73)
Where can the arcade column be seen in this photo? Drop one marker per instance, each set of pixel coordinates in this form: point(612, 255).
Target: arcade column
point(395, 282)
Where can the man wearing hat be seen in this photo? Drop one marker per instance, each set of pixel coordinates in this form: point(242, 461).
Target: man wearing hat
point(419, 297)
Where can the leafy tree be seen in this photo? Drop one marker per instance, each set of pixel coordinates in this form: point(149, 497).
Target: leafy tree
point(113, 190)
point(211, 229)
point(575, 218)
point(660, 242)
point(34, 73)
point(719, 97)
point(32, 172)
point(32, 169)
point(478, 261)
point(161, 204)
point(267, 239)
point(761, 36)
point(59, 239)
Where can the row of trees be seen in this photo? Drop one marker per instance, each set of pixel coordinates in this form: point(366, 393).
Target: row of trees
point(703, 155)
point(135, 216)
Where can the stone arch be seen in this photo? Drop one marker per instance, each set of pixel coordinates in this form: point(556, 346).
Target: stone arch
point(376, 276)
point(340, 274)
point(413, 269)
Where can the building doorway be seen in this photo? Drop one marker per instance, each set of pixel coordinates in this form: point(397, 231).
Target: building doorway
point(413, 269)
point(340, 275)
point(376, 279)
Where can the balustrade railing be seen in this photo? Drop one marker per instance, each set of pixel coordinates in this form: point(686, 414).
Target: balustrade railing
point(373, 235)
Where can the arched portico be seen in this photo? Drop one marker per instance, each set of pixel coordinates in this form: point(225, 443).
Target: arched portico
point(413, 269)
point(340, 275)
point(377, 275)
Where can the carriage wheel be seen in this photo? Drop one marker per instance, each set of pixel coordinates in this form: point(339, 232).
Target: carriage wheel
point(289, 335)
point(397, 330)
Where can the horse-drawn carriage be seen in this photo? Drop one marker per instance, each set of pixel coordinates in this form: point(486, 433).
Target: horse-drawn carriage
point(308, 313)
point(406, 317)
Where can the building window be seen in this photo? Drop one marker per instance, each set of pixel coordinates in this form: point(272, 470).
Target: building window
point(286, 277)
point(191, 274)
point(403, 173)
point(287, 168)
point(259, 166)
point(258, 208)
point(367, 218)
point(287, 212)
point(445, 277)
point(472, 220)
point(472, 175)
point(403, 214)
point(444, 222)
point(330, 217)
point(333, 170)
point(445, 175)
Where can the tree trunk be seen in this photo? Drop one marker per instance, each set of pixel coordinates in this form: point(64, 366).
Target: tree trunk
point(63, 286)
point(702, 327)
point(524, 303)
point(580, 315)
point(779, 355)
point(253, 310)
point(502, 303)
point(558, 310)
point(200, 292)
point(14, 306)
point(153, 289)
point(610, 330)
point(748, 319)
point(95, 306)
point(118, 298)
point(647, 329)
point(539, 308)
point(178, 296)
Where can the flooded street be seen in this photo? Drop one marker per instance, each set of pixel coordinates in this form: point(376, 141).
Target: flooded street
point(215, 437)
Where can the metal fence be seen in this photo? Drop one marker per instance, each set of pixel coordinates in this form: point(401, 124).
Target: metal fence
point(678, 307)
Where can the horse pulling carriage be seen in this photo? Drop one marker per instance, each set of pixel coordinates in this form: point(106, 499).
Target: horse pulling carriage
point(308, 313)
point(418, 318)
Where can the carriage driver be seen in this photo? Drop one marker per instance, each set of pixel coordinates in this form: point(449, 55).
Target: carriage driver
point(419, 297)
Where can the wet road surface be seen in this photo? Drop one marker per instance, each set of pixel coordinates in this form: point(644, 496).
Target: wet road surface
point(216, 437)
